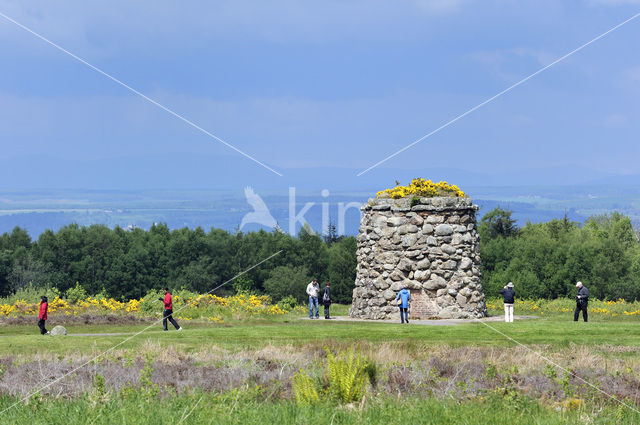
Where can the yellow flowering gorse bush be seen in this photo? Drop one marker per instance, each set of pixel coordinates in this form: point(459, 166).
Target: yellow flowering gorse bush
point(191, 307)
point(604, 309)
point(422, 188)
point(252, 305)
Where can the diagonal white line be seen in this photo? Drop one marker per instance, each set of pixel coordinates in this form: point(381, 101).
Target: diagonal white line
point(147, 98)
point(480, 105)
point(28, 396)
point(559, 367)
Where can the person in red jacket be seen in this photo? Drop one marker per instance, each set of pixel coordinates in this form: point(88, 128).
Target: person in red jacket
point(168, 311)
point(42, 316)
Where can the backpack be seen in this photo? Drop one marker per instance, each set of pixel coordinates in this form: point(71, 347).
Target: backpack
point(325, 296)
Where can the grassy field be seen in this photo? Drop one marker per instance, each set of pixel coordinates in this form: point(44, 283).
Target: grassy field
point(241, 371)
point(297, 331)
point(234, 409)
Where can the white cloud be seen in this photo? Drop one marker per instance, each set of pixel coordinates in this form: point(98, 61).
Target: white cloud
point(523, 120)
point(616, 120)
point(627, 81)
point(613, 2)
point(442, 6)
point(78, 24)
point(632, 76)
point(506, 63)
point(502, 56)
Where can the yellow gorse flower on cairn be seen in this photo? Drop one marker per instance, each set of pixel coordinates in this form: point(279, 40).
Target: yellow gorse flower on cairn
point(423, 188)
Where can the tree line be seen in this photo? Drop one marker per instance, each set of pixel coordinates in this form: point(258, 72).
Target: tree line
point(545, 260)
point(126, 264)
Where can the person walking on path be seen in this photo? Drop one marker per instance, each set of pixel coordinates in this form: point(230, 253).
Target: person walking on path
point(508, 296)
point(313, 289)
point(326, 300)
point(404, 296)
point(582, 300)
point(168, 311)
point(42, 315)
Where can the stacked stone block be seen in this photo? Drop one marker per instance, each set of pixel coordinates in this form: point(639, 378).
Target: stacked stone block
point(428, 245)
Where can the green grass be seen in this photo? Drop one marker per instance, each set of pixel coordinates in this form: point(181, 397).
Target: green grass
point(338, 309)
point(18, 340)
point(250, 407)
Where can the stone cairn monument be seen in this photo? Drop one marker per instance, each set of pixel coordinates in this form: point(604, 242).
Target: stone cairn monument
point(428, 245)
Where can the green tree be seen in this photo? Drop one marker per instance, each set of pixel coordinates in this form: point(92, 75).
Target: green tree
point(26, 270)
point(498, 222)
point(331, 236)
point(287, 280)
point(313, 253)
point(197, 276)
point(5, 270)
point(18, 238)
point(342, 269)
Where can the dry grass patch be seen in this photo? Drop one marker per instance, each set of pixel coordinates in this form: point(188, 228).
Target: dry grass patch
point(423, 370)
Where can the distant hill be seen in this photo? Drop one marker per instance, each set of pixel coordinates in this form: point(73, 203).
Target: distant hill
point(39, 192)
point(193, 171)
point(38, 210)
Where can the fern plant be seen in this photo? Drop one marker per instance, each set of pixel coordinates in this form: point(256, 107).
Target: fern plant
point(347, 375)
point(305, 389)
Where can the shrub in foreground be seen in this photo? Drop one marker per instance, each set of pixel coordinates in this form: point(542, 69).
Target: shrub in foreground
point(346, 380)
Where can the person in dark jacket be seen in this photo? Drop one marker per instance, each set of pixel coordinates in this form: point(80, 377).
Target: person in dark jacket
point(582, 300)
point(42, 315)
point(508, 296)
point(326, 299)
point(404, 296)
point(168, 311)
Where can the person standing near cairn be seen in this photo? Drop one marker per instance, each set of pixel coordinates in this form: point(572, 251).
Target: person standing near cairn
point(168, 311)
point(313, 289)
point(582, 300)
point(404, 296)
point(508, 296)
point(326, 300)
point(42, 315)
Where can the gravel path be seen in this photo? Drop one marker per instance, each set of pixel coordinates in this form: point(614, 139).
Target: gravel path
point(435, 322)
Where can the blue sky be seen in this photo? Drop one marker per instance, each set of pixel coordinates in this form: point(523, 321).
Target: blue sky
point(326, 83)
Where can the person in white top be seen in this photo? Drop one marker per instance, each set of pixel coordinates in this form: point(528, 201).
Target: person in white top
point(313, 289)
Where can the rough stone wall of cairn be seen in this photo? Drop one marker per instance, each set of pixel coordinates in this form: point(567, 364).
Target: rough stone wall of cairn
point(430, 247)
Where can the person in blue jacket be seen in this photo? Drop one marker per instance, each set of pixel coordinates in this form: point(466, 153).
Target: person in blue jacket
point(404, 296)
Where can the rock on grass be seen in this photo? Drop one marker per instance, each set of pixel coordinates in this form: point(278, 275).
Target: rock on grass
point(59, 330)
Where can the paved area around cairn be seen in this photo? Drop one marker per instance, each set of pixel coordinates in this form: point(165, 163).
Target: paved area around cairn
point(430, 322)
